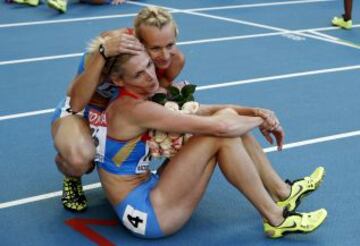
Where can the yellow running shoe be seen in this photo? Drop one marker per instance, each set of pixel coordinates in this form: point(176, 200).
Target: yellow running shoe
point(296, 223)
point(73, 197)
point(33, 3)
point(340, 22)
point(60, 5)
point(302, 187)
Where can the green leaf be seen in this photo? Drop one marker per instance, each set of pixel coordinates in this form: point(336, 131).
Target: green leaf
point(176, 98)
point(173, 91)
point(159, 98)
point(188, 90)
point(189, 98)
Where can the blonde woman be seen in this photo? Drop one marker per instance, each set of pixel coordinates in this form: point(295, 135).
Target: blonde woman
point(92, 88)
point(157, 205)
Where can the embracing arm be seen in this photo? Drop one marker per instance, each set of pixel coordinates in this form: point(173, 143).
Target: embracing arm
point(114, 43)
point(84, 85)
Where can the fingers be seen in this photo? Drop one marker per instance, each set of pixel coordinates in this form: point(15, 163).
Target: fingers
point(279, 136)
point(267, 135)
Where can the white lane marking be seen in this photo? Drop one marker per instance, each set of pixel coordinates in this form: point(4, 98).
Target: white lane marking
point(199, 41)
point(104, 17)
point(97, 185)
point(249, 24)
point(256, 5)
point(213, 86)
point(42, 197)
point(276, 77)
point(37, 59)
point(26, 114)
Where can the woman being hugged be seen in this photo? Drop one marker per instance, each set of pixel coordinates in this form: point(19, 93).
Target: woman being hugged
point(92, 88)
point(156, 205)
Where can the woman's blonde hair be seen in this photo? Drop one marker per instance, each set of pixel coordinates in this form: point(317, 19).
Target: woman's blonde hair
point(153, 16)
point(114, 65)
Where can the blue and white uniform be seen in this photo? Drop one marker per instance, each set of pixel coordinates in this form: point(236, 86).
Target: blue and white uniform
point(106, 90)
point(129, 157)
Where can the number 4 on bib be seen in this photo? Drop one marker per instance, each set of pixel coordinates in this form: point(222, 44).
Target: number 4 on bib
point(135, 220)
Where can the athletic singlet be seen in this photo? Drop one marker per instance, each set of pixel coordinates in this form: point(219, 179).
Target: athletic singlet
point(128, 157)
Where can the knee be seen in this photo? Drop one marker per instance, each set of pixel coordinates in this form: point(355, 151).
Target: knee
point(227, 111)
point(77, 161)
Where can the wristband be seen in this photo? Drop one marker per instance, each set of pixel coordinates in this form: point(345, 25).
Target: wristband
point(102, 51)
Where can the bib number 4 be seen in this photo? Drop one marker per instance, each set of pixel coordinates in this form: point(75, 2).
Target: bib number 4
point(135, 220)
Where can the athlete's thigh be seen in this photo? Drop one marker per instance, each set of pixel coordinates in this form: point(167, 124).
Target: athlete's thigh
point(71, 132)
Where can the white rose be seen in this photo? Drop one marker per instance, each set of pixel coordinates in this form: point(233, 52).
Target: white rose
point(191, 107)
point(173, 106)
point(174, 136)
point(166, 144)
point(160, 136)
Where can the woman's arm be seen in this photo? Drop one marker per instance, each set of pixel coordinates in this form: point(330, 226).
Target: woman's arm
point(224, 123)
point(82, 88)
point(84, 85)
point(206, 109)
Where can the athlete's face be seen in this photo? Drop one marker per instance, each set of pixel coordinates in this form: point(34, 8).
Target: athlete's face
point(159, 43)
point(139, 74)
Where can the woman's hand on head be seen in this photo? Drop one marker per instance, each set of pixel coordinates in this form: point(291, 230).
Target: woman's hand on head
point(119, 42)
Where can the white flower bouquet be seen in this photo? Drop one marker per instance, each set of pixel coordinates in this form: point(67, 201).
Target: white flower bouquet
point(177, 99)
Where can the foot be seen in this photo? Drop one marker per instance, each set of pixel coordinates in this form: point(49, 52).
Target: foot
point(60, 5)
point(340, 22)
point(73, 197)
point(296, 223)
point(302, 187)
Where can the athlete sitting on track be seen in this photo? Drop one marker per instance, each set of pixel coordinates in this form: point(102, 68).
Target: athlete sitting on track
point(156, 205)
point(92, 87)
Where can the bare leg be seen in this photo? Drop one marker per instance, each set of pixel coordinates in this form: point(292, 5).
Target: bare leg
point(347, 9)
point(72, 139)
point(186, 176)
point(277, 188)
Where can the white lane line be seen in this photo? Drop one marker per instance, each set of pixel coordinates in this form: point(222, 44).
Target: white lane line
point(267, 150)
point(33, 23)
point(256, 5)
point(253, 24)
point(26, 114)
point(315, 141)
point(42, 197)
point(277, 77)
point(191, 42)
point(37, 59)
point(213, 86)
point(104, 17)
point(323, 35)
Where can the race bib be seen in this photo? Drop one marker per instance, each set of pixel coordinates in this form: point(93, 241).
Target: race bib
point(98, 127)
point(135, 220)
point(144, 163)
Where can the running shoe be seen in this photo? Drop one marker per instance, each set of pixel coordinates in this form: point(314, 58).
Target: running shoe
point(73, 197)
point(33, 3)
point(340, 22)
point(60, 5)
point(302, 187)
point(296, 223)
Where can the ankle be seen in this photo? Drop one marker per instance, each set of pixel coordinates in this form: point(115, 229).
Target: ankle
point(346, 17)
point(283, 192)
